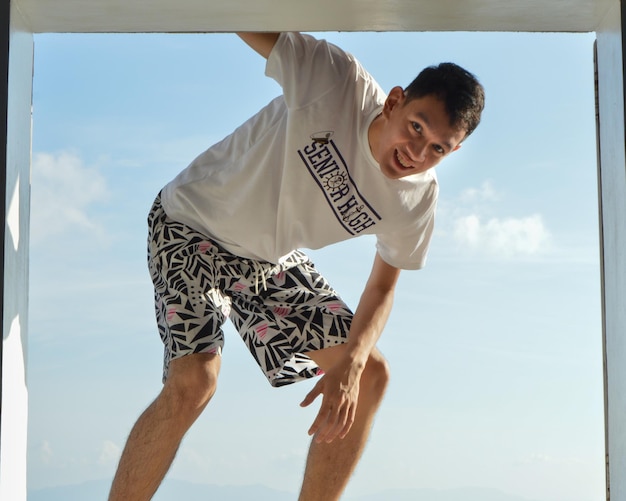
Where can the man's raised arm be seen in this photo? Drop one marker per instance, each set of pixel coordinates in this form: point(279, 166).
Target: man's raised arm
point(263, 43)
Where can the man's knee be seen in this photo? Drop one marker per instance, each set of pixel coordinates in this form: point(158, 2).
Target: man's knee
point(192, 381)
point(376, 374)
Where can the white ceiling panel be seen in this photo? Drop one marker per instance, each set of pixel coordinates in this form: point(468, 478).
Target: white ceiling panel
point(317, 15)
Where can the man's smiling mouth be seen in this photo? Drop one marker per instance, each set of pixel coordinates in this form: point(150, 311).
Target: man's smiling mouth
point(403, 161)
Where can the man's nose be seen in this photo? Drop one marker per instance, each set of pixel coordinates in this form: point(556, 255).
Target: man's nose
point(418, 150)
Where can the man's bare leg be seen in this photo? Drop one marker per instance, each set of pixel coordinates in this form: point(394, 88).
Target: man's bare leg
point(330, 465)
point(155, 438)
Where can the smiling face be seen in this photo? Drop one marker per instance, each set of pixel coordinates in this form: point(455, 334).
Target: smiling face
point(412, 136)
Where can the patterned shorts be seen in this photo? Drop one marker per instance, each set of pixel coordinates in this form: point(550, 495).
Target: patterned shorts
point(282, 311)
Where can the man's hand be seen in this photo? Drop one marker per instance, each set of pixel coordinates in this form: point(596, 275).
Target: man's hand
point(340, 387)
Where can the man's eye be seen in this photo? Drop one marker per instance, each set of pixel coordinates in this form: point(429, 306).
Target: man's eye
point(416, 126)
point(439, 149)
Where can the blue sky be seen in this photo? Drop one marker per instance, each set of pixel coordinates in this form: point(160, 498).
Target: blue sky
point(495, 347)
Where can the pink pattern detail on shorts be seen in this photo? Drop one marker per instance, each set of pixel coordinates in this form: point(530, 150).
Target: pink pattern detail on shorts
point(261, 330)
point(170, 313)
point(279, 278)
point(319, 372)
point(333, 306)
point(204, 246)
point(282, 311)
point(239, 286)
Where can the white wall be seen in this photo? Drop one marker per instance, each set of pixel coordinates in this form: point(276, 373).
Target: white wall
point(15, 298)
point(612, 180)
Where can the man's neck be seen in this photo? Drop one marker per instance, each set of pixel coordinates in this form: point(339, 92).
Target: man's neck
point(373, 133)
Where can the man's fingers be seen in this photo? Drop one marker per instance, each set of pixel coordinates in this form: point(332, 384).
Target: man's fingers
point(338, 425)
point(349, 422)
point(335, 423)
point(325, 420)
point(312, 395)
point(336, 414)
point(320, 420)
point(342, 426)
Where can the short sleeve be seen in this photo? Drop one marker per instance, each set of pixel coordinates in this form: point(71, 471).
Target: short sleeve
point(307, 68)
point(407, 247)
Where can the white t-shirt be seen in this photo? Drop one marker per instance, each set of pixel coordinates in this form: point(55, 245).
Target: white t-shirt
point(300, 173)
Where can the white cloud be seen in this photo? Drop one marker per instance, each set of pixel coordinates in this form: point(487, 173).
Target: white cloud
point(485, 193)
point(109, 453)
point(63, 191)
point(471, 221)
point(510, 237)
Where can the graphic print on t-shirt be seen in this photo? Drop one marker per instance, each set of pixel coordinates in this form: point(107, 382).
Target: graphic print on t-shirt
point(328, 168)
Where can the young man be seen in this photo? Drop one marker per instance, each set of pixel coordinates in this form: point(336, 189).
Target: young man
point(331, 159)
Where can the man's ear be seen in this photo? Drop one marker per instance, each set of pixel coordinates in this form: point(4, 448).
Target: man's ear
point(394, 98)
point(457, 147)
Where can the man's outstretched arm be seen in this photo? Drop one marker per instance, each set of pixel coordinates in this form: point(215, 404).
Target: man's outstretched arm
point(340, 384)
point(261, 42)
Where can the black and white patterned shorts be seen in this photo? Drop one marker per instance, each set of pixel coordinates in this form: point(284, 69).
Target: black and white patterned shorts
point(282, 311)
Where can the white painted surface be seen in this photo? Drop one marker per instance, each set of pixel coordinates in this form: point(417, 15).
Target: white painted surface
point(613, 224)
point(343, 15)
point(319, 15)
point(14, 392)
point(13, 216)
point(14, 417)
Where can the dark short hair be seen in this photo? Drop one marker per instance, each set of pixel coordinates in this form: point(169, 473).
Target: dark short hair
point(460, 91)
